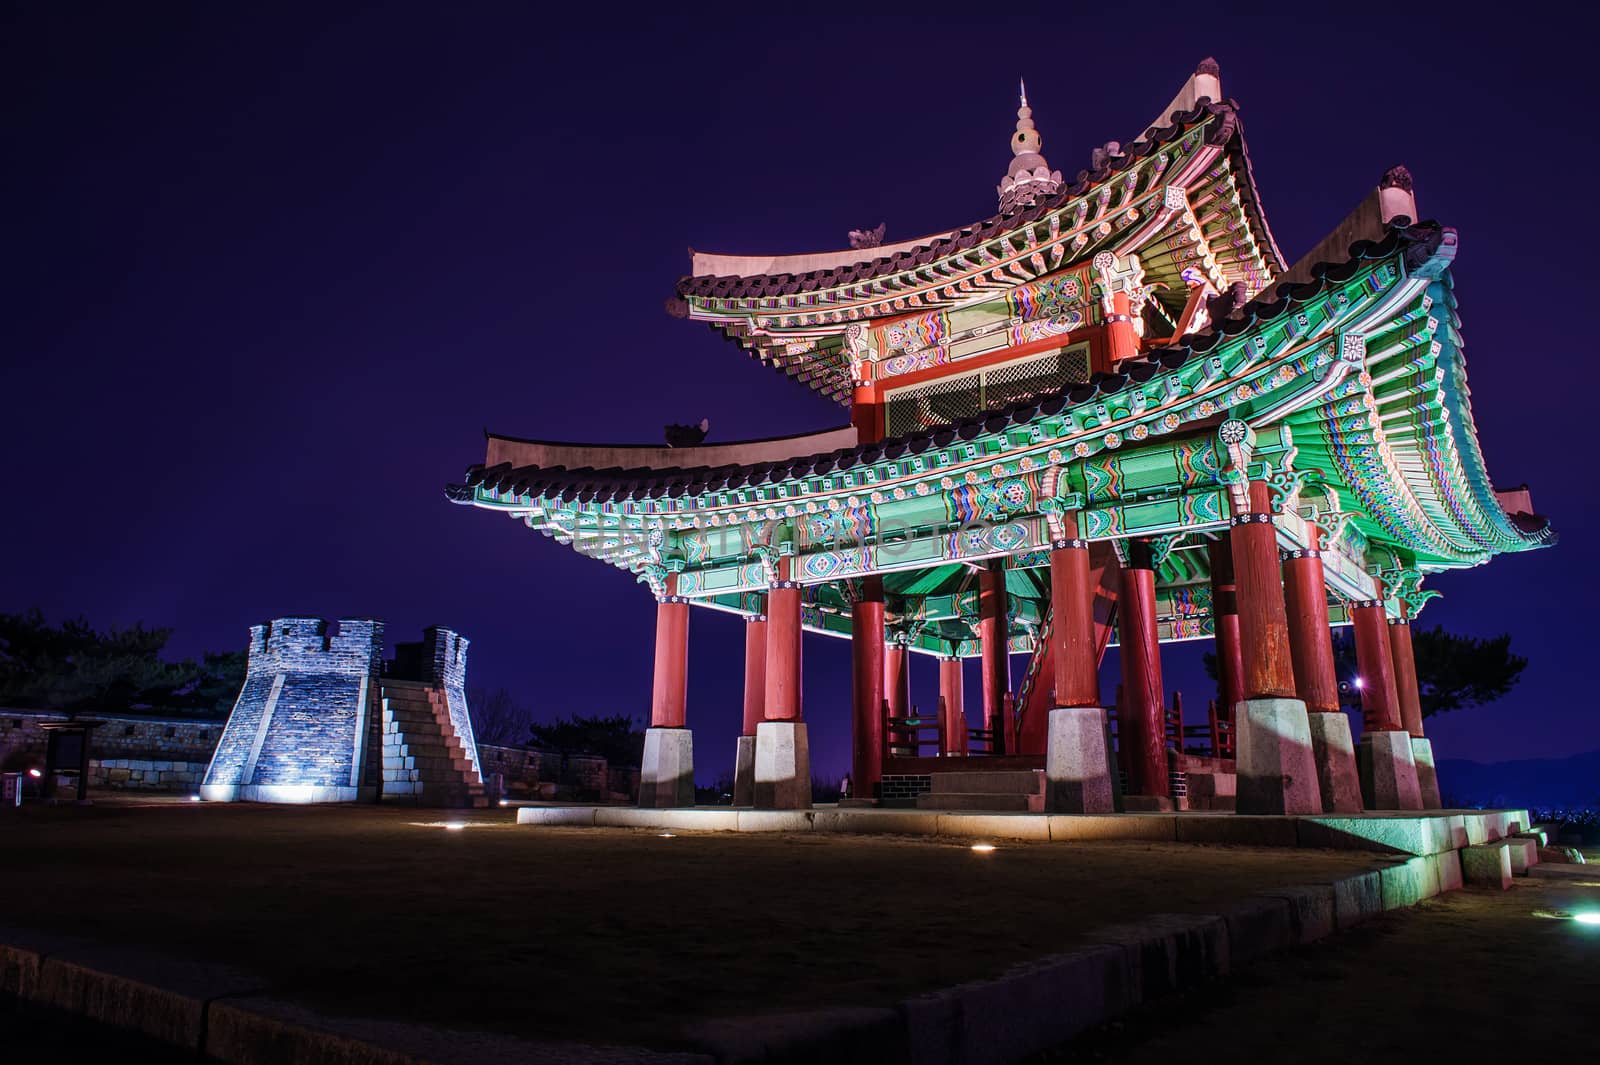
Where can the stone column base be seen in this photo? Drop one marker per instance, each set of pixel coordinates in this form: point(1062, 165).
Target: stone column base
point(1077, 773)
point(1277, 770)
point(1388, 771)
point(744, 772)
point(666, 775)
point(1335, 753)
point(1427, 776)
point(782, 766)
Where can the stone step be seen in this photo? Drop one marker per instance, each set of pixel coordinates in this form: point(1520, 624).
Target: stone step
point(415, 749)
point(437, 765)
point(973, 800)
point(990, 782)
point(408, 715)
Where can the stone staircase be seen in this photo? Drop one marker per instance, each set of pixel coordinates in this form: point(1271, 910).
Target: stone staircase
point(996, 790)
point(424, 761)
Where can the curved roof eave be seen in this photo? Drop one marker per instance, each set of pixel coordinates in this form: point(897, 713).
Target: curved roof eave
point(911, 255)
point(614, 483)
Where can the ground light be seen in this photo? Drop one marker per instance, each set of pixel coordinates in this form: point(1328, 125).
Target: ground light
point(983, 848)
point(1592, 917)
point(452, 826)
point(35, 774)
point(667, 835)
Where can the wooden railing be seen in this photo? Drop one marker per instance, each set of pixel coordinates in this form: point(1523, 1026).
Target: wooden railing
point(1214, 739)
point(905, 737)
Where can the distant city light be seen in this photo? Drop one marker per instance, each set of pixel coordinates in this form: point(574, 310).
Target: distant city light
point(455, 826)
point(983, 848)
point(668, 835)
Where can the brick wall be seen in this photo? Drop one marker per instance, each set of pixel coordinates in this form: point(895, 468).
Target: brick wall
point(904, 788)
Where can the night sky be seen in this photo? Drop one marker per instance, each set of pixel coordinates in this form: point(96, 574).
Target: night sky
point(273, 270)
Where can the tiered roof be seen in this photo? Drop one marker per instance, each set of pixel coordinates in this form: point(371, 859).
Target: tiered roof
point(1183, 192)
point(1347, 390)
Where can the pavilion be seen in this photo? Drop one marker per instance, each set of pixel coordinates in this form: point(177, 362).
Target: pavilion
point(1112, 412)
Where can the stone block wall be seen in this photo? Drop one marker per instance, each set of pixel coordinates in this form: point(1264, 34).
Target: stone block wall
point(145, 774)
point(306, 719)
point(127, 752)
point(518, 767)
point(528, 772)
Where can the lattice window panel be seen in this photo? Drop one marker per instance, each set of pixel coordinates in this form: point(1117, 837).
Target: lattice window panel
point(938, 403)
point(952, 399)
point(1024, 380)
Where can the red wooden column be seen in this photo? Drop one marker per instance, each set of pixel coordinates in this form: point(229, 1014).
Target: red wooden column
point(951, 693)
point(1380, 698)
point(1405, 675)
point(1225, 622)
point(1121, 341)
point(669, 693)
point(1310, 638)
point(755, 672)
point(866, 413)
point(897, 679)
point(783, 647)
point(1075, 655)
point(867, 660)
point(1142, 714)
point(994, 626)
point(1311, 646)
point(1077, 772)
point(1263, 624)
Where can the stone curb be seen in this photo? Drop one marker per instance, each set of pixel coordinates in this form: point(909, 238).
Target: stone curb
point(1144, 960)
point(220, 1012)
point(1433, 833)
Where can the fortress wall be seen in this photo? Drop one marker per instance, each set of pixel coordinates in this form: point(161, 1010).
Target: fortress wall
point(306, 719)
point(445, 655)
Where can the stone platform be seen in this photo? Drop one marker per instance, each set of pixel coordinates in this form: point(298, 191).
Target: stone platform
point(1423, 834)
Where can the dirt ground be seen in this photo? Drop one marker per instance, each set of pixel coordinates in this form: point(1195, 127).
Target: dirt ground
point(602, 935)
point(1471, 976)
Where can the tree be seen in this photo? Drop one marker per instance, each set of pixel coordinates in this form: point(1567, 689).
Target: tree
point(618, 739)
point(76, 668)
point(1453, 672)
point(496, 717)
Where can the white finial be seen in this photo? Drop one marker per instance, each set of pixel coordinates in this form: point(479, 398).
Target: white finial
point(1029, 176)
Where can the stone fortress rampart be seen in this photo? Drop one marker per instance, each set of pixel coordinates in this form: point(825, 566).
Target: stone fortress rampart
point(304, 726)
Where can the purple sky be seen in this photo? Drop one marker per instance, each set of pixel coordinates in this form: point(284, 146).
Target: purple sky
point(273, 270)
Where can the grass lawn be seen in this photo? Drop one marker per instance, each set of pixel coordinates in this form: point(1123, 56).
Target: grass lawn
point(602, 935)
